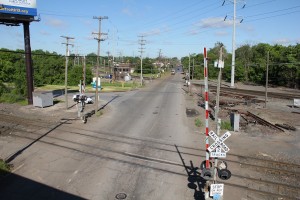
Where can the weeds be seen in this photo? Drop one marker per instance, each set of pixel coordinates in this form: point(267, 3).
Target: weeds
point(225, 125)
point(11, 98)
point(99, 113)
point(198, 122)
point(4, 168)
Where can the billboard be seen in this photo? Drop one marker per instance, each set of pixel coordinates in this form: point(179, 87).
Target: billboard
point(18, 7)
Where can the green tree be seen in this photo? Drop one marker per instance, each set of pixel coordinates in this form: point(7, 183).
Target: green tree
point(244, 58)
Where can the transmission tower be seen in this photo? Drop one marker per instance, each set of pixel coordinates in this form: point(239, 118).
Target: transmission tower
point(233, 36)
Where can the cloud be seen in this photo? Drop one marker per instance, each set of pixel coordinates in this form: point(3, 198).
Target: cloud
point(221, 33)
point(43, 32)
point(153, 32)
point(214, 22)
point(193, 32)
point(126, 11)
point(157, 31)
point(90, 37)
point(248, 28)
point(283, 41)
point(87, 22)
point(55, 23)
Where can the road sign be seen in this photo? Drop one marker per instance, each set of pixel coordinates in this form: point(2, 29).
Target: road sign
point(216, 189)
point(219, 141)
point(218, 153)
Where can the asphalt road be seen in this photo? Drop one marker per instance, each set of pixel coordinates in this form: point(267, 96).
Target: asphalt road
point(127, 153)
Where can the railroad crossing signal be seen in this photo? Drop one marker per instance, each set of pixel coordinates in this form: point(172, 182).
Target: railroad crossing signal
point(219, 144)
point(218, 153)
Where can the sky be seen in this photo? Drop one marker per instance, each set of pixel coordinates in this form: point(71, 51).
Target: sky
point(175, 28)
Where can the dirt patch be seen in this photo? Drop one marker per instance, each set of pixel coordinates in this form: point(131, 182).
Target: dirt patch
point(191, 112)
point(278, 111)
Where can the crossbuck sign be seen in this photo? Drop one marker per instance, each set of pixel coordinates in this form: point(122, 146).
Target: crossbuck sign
point(218, 144)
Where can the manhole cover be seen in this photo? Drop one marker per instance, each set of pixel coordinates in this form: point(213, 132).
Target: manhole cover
point(121, 196)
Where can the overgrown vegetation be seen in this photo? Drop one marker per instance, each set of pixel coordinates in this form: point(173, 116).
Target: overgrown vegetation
point(10, 95)
point(49, 69)
point(226, 125)
point(4, 168)
point(251, 62)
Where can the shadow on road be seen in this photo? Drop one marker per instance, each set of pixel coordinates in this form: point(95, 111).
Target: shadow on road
point(196, 182)
point(15, 187)
point(19, 152)
point(108, 102)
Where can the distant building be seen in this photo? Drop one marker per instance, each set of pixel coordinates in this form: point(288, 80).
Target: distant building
point(122, 69)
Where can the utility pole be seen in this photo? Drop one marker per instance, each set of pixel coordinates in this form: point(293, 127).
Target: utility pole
point(159, 61)
point(76, 59)
point(220, 66)
point(84, 73)
point(108, 61)
point(267, 79)
point(99, 39)
point(189, 81)
point(66, 67)
point(142, 43)
point(193, 68)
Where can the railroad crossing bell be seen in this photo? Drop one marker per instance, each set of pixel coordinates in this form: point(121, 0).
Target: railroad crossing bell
point(206, 172)
point(223, 172)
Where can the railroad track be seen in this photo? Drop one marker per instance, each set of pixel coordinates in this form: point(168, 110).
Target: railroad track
point(272, 189)
point(256, 92)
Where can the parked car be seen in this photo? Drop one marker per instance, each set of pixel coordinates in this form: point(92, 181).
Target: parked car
point(173, 71)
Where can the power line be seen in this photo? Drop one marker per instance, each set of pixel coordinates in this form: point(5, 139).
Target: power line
point(285, 9)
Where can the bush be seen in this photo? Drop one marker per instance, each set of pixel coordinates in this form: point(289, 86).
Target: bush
point(225, 125)
point(3, 88)
point(11, 98)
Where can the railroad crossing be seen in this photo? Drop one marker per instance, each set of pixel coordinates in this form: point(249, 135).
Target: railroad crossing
point(219, 144)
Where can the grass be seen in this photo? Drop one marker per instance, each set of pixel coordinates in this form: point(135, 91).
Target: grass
point(106, 87)
point(198, 122)
point(4, 168)
point(12, 98)
point(225, 125)
point(99, 113)
point(145, 75)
